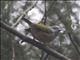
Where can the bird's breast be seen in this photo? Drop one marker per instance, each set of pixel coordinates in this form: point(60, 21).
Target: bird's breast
point(42, 36)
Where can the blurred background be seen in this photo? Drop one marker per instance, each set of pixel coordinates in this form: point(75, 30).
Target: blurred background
point(64, 14)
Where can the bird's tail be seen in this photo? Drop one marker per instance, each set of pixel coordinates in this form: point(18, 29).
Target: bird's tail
point(26, 20)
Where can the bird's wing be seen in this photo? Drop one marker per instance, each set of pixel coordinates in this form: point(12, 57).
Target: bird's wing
point(43, 28)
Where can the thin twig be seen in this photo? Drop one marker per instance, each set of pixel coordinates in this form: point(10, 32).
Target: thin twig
point(13, 50)
point(45, 16)
point(45, 58)
point(71, 39)
point(24, 13)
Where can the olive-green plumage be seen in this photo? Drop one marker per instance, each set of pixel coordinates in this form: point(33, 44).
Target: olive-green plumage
point(42, 27)
point(42, 32)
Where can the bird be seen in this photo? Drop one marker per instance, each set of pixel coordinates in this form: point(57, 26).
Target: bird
point(42, 32)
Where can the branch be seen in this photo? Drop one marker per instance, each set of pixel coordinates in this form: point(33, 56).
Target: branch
point(73, 42)
point(24, 13)
point(62, 18)
point(33, 42)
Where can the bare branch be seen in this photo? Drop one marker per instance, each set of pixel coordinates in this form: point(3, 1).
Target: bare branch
point(62, 18)
point(24, 13)
point(33, 42)
point(74, 43)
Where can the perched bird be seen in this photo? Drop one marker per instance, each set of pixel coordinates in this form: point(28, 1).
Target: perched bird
point(41, 32)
